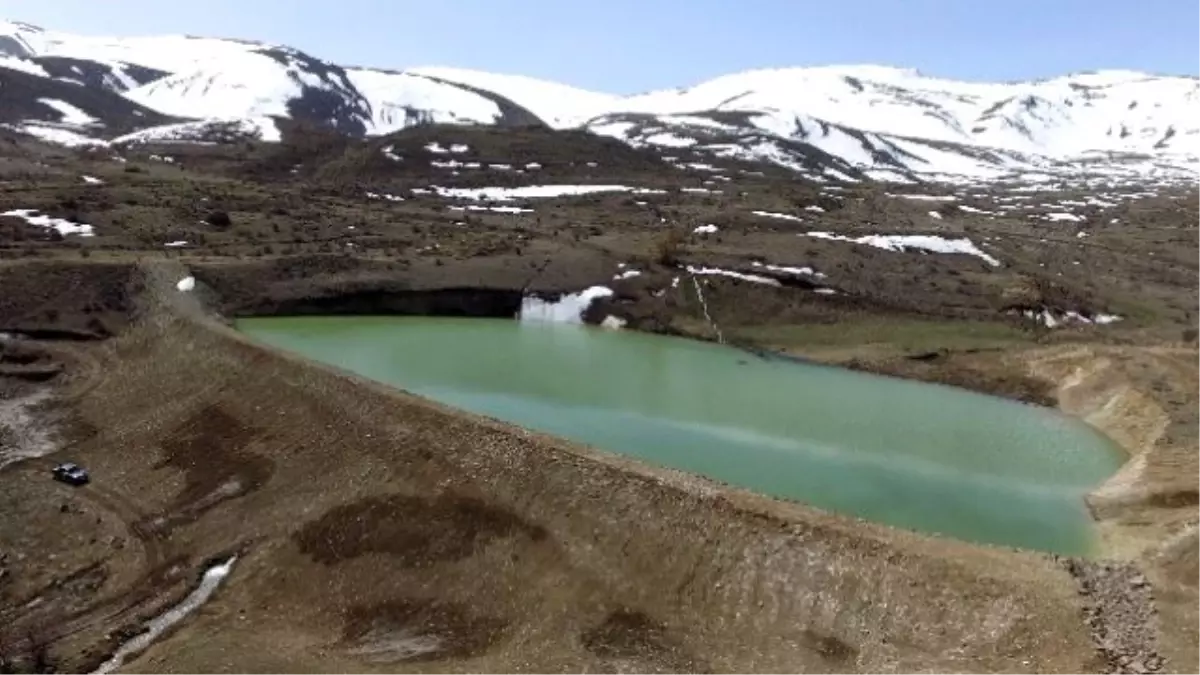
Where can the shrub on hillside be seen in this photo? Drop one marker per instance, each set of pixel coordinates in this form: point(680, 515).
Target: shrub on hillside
point(668, 246)
point(218, 219)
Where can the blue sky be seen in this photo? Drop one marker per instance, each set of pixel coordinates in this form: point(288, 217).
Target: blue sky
point(627, 46)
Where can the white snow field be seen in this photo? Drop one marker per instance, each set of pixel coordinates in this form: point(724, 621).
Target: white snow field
point(909, 242)
point(873, 120)
point(61, 225)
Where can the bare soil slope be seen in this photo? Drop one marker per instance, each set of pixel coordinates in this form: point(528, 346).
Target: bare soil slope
point(375, 531)
point(379, 531)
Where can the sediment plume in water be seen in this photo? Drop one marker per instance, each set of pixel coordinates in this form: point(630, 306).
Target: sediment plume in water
point(212, 578)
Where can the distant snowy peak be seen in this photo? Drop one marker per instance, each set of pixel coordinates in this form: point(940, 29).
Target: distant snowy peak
point(808, 146)
point(836, 122)
point(200, 77)
point(259, 82)
point(19, 39)
point(67, 111)
point(1058, 117)
point(224, 78)
point(112, 76)
point(168, 53)
point(734, 136)
point(71, 58)
point(557, 105)
point(418, 96)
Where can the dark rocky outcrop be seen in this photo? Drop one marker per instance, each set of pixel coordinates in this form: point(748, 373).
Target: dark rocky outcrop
point(472, 302)
point(96, 74)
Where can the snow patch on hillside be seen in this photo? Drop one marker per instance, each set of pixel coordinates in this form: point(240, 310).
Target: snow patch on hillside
point(61, 225)
point(503, 194)
point(1051, 318)
point(70, 114)
point(798, 271)
point(160, 624)
point(732, 274)
point(567, 309)
point(901, 243)
point(54, 134)
point(454, 148)
point(513, 210)
point(780, 216)
point(23, 65)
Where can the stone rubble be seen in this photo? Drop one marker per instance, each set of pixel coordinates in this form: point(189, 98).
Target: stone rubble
point(1120, 613)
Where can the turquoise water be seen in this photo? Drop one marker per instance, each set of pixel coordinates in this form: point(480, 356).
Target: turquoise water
point(908, 454)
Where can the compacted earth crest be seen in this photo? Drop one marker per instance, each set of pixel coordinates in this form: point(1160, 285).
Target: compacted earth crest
point(374, 531)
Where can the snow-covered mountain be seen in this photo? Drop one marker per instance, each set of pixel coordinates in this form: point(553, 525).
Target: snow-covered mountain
point(893, 119)
point(839, 122)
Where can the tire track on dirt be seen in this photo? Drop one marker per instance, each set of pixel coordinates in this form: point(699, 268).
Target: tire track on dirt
point(85, 370)
point(135, 519)
point(153, 582)
point(118, 608)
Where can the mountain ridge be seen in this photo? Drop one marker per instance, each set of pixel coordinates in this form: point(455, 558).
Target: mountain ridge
point(884, 122)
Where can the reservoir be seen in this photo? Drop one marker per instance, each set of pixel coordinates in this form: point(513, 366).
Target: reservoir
point(908, 454)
